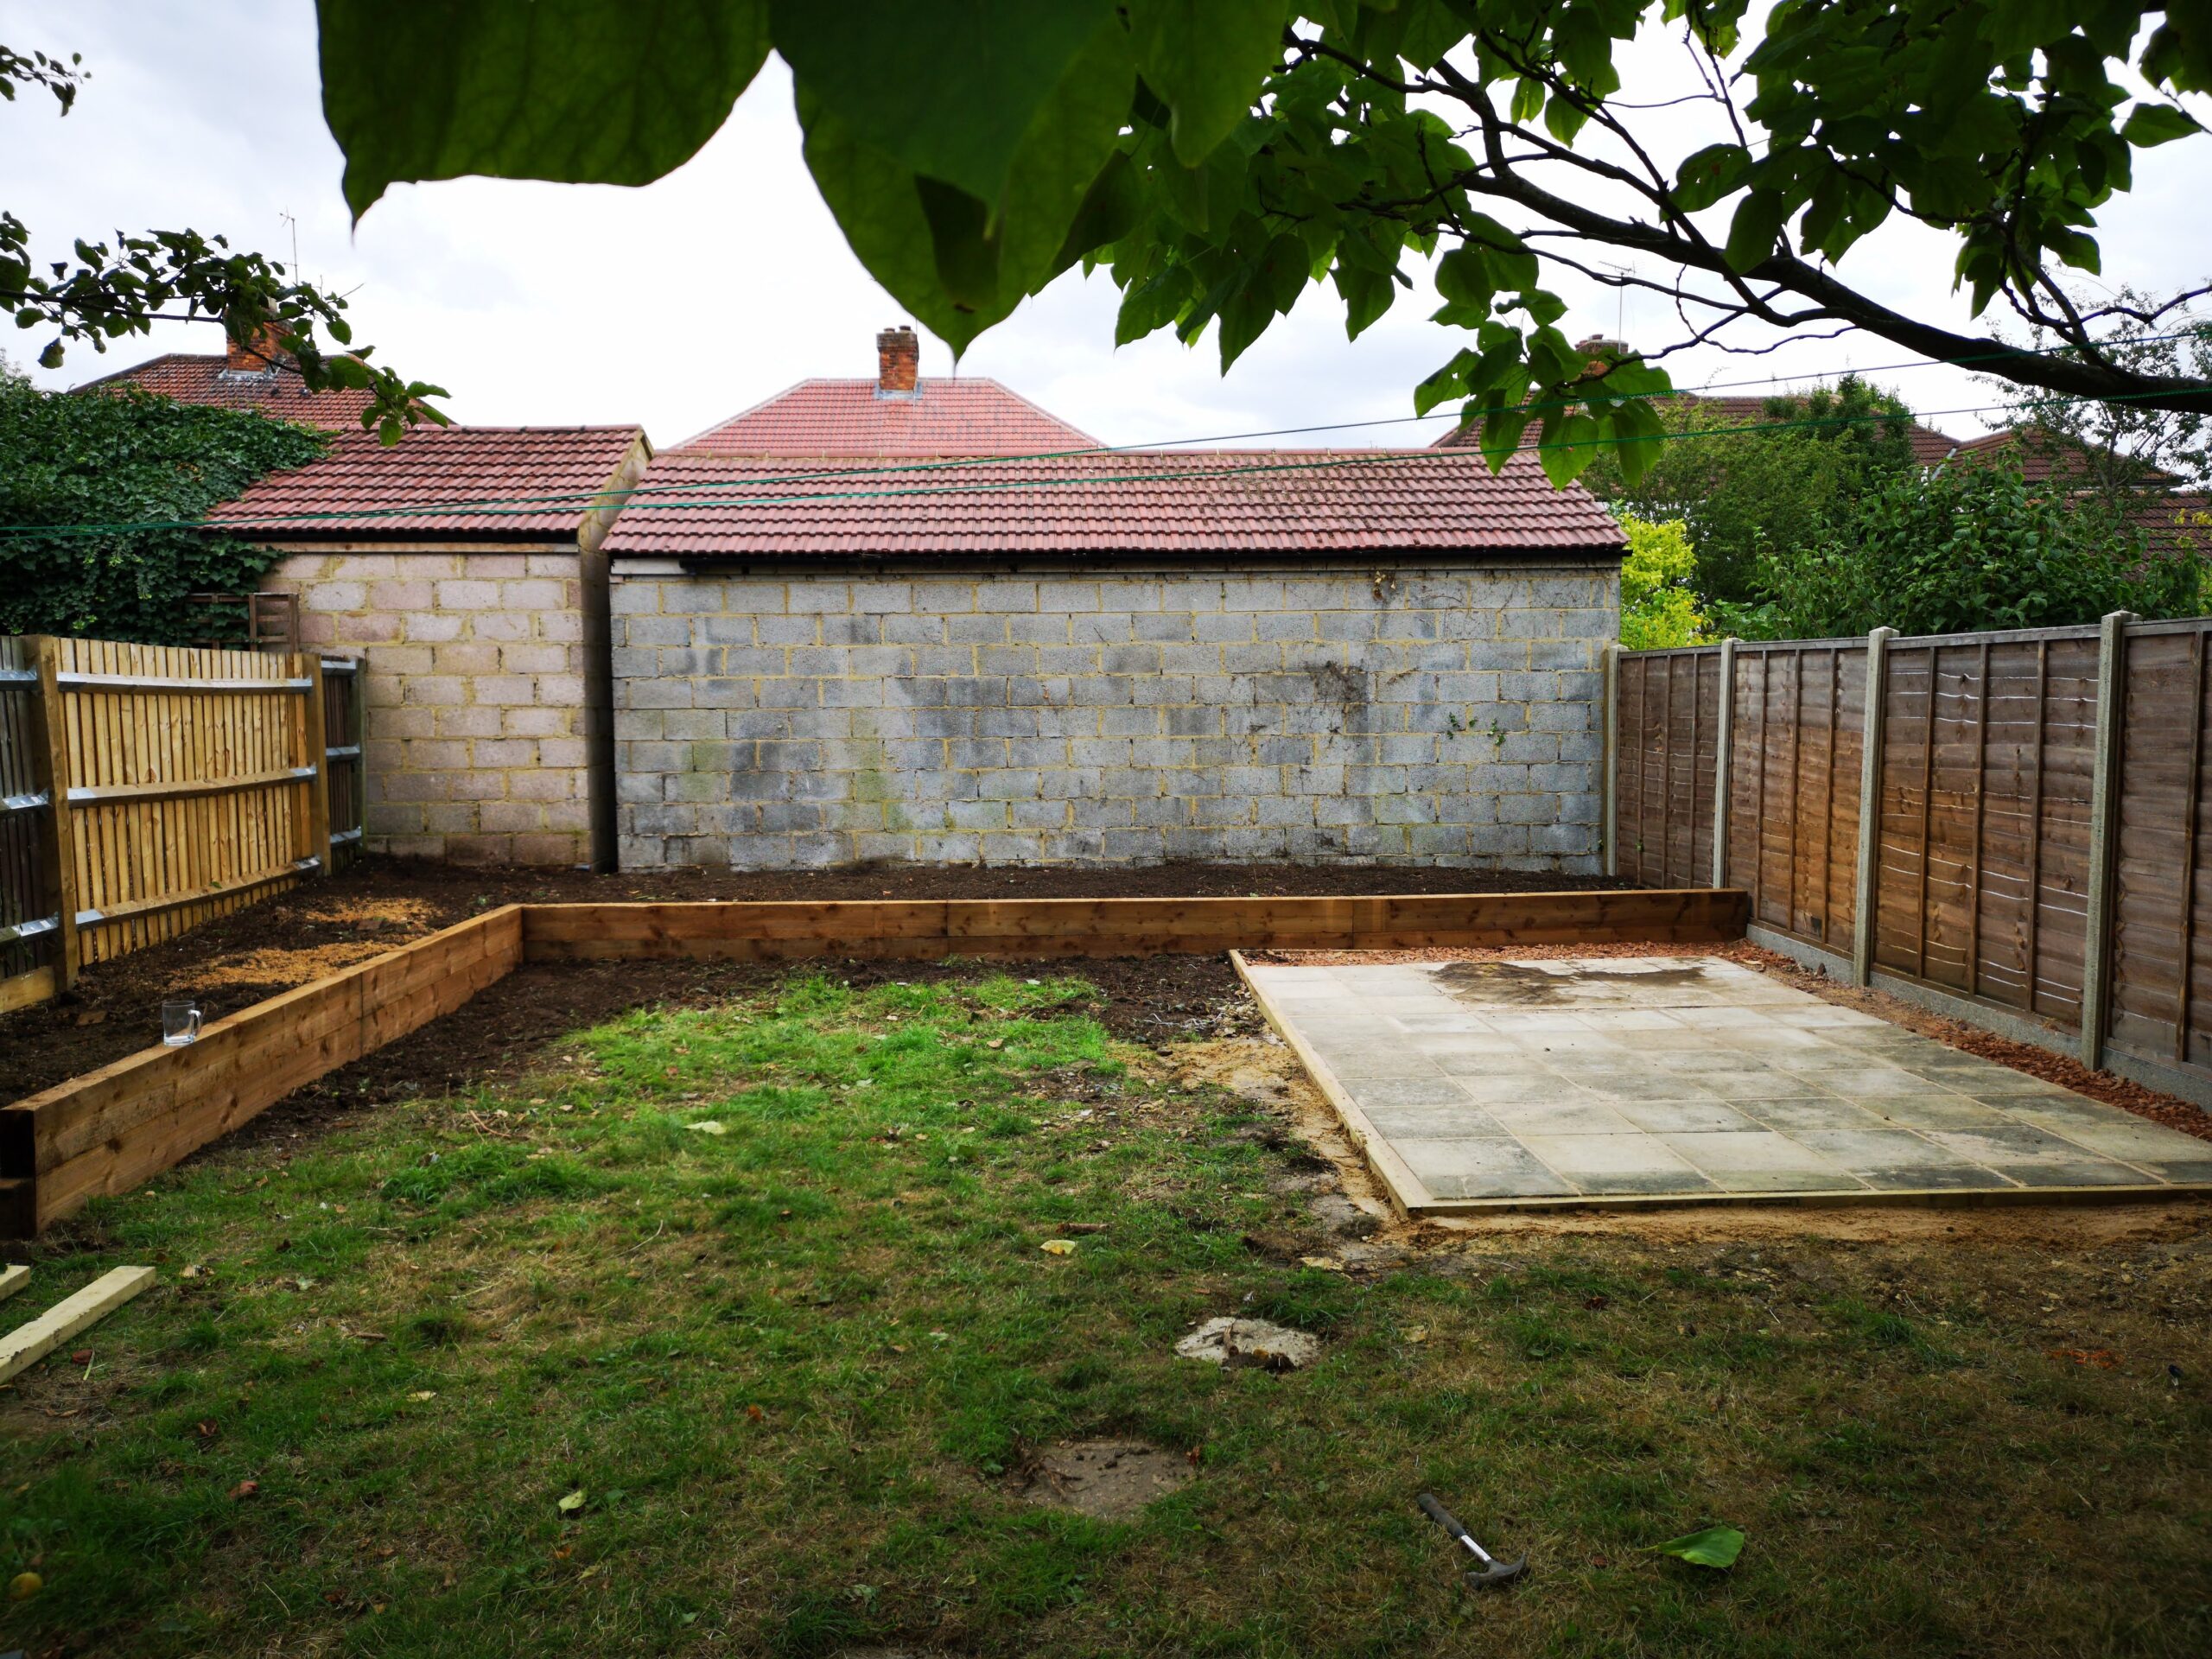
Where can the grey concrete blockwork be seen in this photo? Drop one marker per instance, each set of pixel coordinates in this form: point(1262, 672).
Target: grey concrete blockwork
point(1413, 714)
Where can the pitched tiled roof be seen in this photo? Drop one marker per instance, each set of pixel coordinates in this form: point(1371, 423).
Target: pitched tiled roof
point(851, 417)
point(1930, 446)
point(1218, 503)
point(530, 481)
point(204, 379)
point(2176, 520)
point(2045, 455)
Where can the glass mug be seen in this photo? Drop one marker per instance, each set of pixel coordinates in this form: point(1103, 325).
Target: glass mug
point(179, 1023)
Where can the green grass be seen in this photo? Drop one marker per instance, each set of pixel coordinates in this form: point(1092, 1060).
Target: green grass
point(789, 1367)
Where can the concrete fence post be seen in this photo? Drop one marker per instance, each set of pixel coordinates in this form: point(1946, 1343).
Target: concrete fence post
point(2104, 802)
point(1868, 885)
point(1724, 743)
point(1609, 785)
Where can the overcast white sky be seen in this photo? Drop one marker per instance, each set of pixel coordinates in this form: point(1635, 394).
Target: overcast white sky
point(681, 303)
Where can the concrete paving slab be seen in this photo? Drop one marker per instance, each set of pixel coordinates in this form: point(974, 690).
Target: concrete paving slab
point(1670, 1079)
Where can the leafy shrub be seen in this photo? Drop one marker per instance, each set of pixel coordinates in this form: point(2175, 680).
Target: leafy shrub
point(1963, 549)
point(126, 457)
point(1659, 605)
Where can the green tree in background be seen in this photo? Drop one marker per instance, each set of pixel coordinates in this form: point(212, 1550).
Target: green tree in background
point(1659, 608)
point(126, 457)
point(1958, 549)
point(1746, 489)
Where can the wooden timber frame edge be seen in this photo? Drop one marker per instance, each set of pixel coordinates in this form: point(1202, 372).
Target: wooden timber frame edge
point(106, 1132)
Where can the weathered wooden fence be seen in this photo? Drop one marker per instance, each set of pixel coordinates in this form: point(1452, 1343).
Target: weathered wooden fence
point(2038, 841)
point(144, 788)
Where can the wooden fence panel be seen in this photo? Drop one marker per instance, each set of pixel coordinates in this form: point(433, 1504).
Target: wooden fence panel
point(2159, 952)
point(149, 788)
point(1668, 735)
point(1793, 814)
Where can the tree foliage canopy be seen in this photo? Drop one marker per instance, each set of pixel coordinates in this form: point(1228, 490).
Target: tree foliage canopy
point(1744, 488)
point(1968, 548)
point(111, 292)
point(1221, 158)
point(126, 457)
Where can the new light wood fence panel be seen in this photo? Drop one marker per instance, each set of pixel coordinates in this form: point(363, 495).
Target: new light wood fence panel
point(144, 788)
point(1668, 748)
point(181, 789)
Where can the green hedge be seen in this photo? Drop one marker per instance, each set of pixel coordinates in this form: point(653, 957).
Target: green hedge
point(126, 457)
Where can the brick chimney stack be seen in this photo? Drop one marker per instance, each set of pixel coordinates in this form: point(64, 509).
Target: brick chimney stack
point(260, 355)
point(898, 362)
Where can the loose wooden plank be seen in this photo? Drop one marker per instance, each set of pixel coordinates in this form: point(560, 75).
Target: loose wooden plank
point(13, 1278)
point(28, 1345)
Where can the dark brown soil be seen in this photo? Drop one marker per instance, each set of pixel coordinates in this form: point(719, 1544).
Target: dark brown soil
point(318, 929)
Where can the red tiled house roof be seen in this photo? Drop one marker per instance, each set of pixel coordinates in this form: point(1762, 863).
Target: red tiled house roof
point(856, 418)
point(461, 483)
point(1216, 503)
point(2045, 455)
point(1930, 446)
point(275, 389)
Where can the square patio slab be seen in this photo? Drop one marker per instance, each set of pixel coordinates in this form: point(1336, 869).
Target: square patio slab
point(1635, 1081)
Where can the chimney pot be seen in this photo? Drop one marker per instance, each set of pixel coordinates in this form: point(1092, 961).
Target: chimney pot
point(898, 362)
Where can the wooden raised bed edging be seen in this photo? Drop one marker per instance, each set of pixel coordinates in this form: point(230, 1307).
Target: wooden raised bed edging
point(106, 1132)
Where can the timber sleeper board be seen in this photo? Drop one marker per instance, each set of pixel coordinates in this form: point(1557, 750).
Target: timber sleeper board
point(300, 1034)
point(105, 1133)
point(13, 1278)
point(1077, 926)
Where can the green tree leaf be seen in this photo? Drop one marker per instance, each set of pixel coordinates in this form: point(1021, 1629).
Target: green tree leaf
point(583, 92)
point(1206, 59)
point(1713, 1547)
point(2157, 124)
point(953, 90)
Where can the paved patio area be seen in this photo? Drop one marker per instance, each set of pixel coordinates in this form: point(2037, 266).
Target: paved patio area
point(1683, 1079)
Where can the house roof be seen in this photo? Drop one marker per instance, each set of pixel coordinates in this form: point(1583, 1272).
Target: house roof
point(2045, 455)
point(527, 482)
point(1930, 446)
point(277, 388)
point(853, 417)
point(1217, 503)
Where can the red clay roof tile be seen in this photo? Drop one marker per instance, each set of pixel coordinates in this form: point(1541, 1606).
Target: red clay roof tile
point(530, 481)
point(1930, 446)
point(203, 379)
point(849, 417)
point(1235, 503)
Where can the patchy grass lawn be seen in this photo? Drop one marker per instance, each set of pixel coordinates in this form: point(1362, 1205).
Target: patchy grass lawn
point(732, 1332)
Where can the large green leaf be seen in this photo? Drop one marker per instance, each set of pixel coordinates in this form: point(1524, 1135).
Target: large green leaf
point(1205, 59)
point(950, 89)
point(583, 92)
point(1709, 1547)
point(879, 206)
point(957, 262)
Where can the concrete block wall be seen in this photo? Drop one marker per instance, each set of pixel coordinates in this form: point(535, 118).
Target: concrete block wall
point(1426, 714)
point(479, 665)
